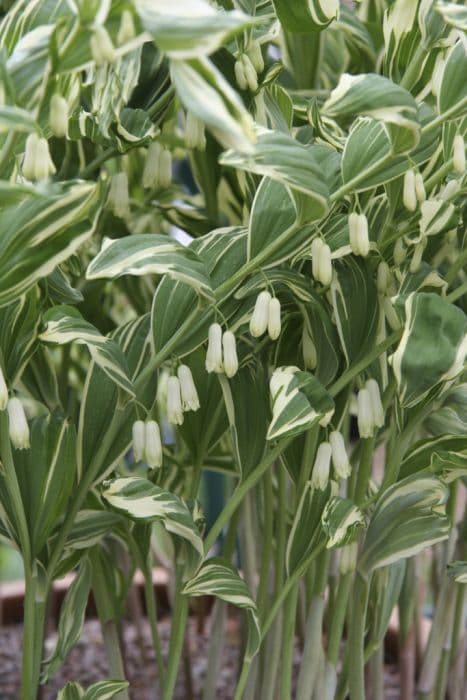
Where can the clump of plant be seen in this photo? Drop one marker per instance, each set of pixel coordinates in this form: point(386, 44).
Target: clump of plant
point(232, 239)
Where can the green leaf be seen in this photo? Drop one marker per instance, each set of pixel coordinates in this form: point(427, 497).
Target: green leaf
point(144, 254)
point(282, 158)
point(19, 323)
point(217, 577)
point(190, 28)
point(386, 586)
point(353, 292)
point(203, 90)
point(64, 324)
point(29, 65)
point(104, 690)
point(423, 454)
point(42, 231)
point(141, 500)
point(16, 119)
point(409, 516)
point(71, 621)
point(306, 532)
point(340, 520)
point(90, 526)
point(299, 401)
point(71, 691)
point(432, 348)
point(268, 222)
point(306, 15)
point(458, 571)
point(452, 97)
point(375, 96)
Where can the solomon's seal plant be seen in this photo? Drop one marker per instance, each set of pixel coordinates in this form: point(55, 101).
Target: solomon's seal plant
point(232, 239)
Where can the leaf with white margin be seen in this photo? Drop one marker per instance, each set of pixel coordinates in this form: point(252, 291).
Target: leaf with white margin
point(341, 519)
point(150, 254)
point(306, 534)
point(306, 15)
point(452, 96)
point(299, 401)
point(203, 90)
point(190, 28)
point(102, 690)
point(372, 95)
point(436, 216)
point(453, 14)
point(423, 454)
point(409, 516)
point(64, 324)
point(140, 500)
point(283, 158)
point(432, 348)
point(217, 577)
point(458, 571)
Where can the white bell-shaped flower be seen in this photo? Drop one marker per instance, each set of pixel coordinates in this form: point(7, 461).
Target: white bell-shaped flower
point(260, 318)
point(321, 467)
point(194, 132)
point(37, 163)
point(409, 196)
point(400, 252)
point(458, 158)
point(58, 115)
point(348, 561)
point(255, 56)
point(139, 439)
point(119, 197)
point(340, 459)
point(365, 414)
point(376, 404)
point(174, 401)
point(420, 188)
point(382, 277)
point(274, 318)
point(240, 76)
point(316, 246)
point(229, 354)
point(214, 351)
point(153, 445)
point(325, 265)
point(250, 74)
point(18, 424)
point(190, 400)
point(152, 165)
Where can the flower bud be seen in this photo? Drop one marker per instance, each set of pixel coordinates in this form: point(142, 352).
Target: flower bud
point(102, 48)
point(376, 405)
point(325, 265)
point(450, 190)
point(174, 401)
point(194, 132)
point(382, 277)
point(153, 444)
point(310, 358)
point(58, 115)
point(364, 414)
point(250, 74)
point(190, 400)
point(362, 236)
point(321, 467)
point(274, 318)
point(139, 439)
point(37, 163)
point(126, 31)
point(409, 196)
point(458, 159)
point(3, 391)
point(417, 256)
point(391, 315)
point(19, 429)
point(316, 246)
point(118, 198)
point(230, 354)
point(260, 318)
point(353, 232)
point(214, 351)
point(340, 459)
point(348, 560)
point(240, 76)
point(420, 187)
point(256, 57)
point(400, 252)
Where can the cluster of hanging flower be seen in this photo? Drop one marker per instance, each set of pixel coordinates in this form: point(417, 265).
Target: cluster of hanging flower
point(118, 198)
point(147, 443)
point(334, 451)
point(248, 66)
point(221, 355)
point(266, 316)
point(157, 173)
point(181, 395)
point(370, 411)
point(321, 265)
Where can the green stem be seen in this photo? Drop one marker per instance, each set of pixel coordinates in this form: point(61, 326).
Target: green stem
point(29, 684)
point(267, 538)
point(411, 75)
point(439, 175)
point(376, 666)
point(176, 638)
point(310, 662)
point(290, 616)
point(444, 116)
point(98, 160)
point(457, 293)
point(114, 654)
point(338, 618)
point(356, 642)
point(240, 492)
point(243, 679)
point(151, 609)
point(364, 470)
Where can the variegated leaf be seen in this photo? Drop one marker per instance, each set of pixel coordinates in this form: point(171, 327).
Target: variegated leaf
point(190, 28)
point(453, 14)
point(375, 96)
point(422, 454)
point(452, 96)
point(409, 516)
point(298, 166)
point(299, 401)
point(90, 526)
point(41, 231)
point(306, 15)
point(217, 577)
point(71, 620)
point(140, 500)
point(432, 349)
point(340, 520)
point(64, 324)
point(458, 571)
point(306, 533)
point(104, 690)
point(144, 254)
point(16, 119)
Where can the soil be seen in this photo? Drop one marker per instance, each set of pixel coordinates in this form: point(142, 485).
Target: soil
point(87, 663)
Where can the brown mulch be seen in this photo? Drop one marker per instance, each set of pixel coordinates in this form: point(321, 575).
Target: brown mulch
point(87, 663)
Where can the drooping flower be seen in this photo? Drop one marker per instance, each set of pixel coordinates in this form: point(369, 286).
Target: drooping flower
point(229, 354)
point(458, 158)
point(420, 187)
point(174, 401)
point(310, 358)
point(153, 444)
point(18, 424)
point(321, 467)
point(255, 56)
point(274, 318)
point(365, 414)
point(376, 404)
point(119, 198)
point(325, 265)
point(58, 115)
point(409, 196)
point(340, 458)
point(382, 277)
point(214, 351)
point(190, 400)
point(358, 234)
point(37, 163)
point(260, 318)
point(139, 439)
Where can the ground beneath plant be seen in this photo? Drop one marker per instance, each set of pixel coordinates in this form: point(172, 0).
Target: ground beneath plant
point(87, 663)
